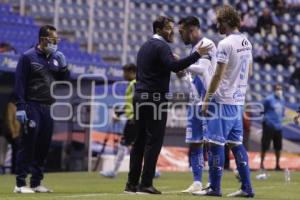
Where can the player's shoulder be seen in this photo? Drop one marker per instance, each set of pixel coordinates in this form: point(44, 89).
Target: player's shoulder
point(28, 54)
point(225, 42)
point(270, 97)
point(29, 51)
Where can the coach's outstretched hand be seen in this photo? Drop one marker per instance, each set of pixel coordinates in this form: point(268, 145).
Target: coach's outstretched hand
point(203, 50)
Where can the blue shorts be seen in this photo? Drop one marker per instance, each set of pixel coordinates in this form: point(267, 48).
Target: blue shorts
point(226, 124)
point(196, 125)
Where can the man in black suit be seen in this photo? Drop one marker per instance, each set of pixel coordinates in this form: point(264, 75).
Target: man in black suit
point(155, 61)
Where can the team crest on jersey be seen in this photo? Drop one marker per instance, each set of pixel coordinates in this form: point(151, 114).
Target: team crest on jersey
point(55, 62)
point(244, 42)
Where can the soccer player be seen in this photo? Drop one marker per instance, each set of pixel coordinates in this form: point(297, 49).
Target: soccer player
point(37, 69)
point(129, 133)
point(272, 125)
point(226, 97)
point(198, 75)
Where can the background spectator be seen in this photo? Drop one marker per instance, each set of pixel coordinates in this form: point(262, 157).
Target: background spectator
point(6, 48)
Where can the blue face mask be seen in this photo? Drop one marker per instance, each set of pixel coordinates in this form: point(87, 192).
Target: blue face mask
point(51, 48)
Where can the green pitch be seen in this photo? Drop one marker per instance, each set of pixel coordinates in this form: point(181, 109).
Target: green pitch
point(91, 186)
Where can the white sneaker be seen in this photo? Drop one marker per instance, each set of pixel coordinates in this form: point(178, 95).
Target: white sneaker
point(42, 189)
point(23, 189)
point(195, 187)
point(241, 193)
point(108, 174)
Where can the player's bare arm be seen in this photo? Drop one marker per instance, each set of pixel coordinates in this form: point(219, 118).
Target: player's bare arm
point(250, 69)
point(221, 67)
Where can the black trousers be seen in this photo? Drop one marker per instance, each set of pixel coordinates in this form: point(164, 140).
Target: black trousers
point(33, 146)
point(129, 133)
point(271, 134)
point(13, 143)
point(150, 118)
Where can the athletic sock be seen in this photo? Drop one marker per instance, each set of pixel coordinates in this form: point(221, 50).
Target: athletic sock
point(122, 151)
point(216, 163)
point(241, 159)
point(197, 163)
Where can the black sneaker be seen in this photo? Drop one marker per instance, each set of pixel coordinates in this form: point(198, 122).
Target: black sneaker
point(147, 190)
point(208, 192)
point(130, 189)
point(278, 168)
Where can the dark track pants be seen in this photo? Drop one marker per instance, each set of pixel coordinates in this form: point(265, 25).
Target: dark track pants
point(33, 146)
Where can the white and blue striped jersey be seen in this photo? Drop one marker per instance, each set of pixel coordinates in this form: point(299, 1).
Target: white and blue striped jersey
point(236, 51)
point(200, 73)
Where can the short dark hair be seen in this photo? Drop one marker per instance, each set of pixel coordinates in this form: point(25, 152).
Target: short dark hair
point(160, 22)
point(129, 67)
point(229, 15)
point(44, 31)
point(277, 85)
point(189, 21)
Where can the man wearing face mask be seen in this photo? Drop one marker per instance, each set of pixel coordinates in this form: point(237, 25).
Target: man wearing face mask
point(155, 61)
point(272, 125)
point(37, 69)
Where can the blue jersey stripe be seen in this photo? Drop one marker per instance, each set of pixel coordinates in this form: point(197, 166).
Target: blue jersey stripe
point(199, 86)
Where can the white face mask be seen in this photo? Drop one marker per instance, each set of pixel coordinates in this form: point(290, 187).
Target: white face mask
point(279, 93)
point(51, 48)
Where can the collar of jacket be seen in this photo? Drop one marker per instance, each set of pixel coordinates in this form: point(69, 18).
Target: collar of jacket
point(156, 36)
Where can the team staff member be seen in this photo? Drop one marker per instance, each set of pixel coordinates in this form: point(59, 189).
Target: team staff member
point(272, 124)
point(155, 62)
point(37, 69)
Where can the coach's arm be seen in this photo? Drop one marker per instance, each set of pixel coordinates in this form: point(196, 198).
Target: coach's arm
point(175, 65)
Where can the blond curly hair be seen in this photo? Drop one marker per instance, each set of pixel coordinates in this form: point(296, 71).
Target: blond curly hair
point(229, 15)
